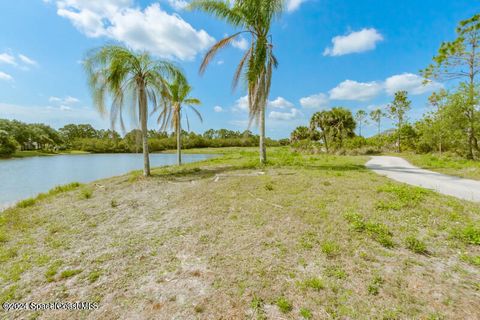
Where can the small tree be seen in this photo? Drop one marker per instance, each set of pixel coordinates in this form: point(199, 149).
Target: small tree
point(8, 145)
point(460, 60)
point(361, 118)
point(397, 111)
point(438, 100)
point(300, 133)
point(376, 116)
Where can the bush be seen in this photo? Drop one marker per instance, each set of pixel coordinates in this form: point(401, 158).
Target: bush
point(416, 245)
point(8, 145)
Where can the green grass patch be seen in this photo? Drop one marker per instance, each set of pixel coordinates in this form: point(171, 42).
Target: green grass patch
point(306, 313)
point(403, 196)
point(52, 270)
point(94, 275)
point(330, 248)
point(377, 231)
point(86, 193)
point(26, 203)
point(314, 283)
point(284, 305)
point(469, 234)
point(69, 273)
point(375, 285)
point(416, 245)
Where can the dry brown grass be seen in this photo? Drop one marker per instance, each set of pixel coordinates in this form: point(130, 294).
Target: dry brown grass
point(185, 245)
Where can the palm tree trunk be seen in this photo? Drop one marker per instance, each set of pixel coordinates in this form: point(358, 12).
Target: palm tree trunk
point(179, 142)
point(263, 150)
point(142, 102)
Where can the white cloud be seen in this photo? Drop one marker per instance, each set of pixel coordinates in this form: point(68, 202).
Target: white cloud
point(293, 5)
point(241, 104)
point(5, 76)
point(151, 29)
point(178, 4)
point(220, 62)
point(354, 42)
point(27, 60)
point(285, 116)
point(217, 109)
point(241, 44)
point(7, 58)
point(356, 91)
point(411, 83)
point(67, 101)
point(280, 103)
point(318, 101)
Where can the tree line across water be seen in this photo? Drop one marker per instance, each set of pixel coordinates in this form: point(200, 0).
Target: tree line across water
point(16, 135)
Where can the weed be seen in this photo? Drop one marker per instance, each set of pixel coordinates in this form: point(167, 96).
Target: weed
point(94, 275)
point(26, 203)
point(335, 272)
point(377, 231)
point(52, 270)
point(113, 203)
point(305, 313)
point(257, 305)
point(86, 193)
point(416, 245)
point(405, 196)
point(473, 260)
point(69, 273)
point(470, 234)
point(311, 283)
point(330, 248)
point(284, 305)
point(374, 286)
point(199, 308)
point(269, 186)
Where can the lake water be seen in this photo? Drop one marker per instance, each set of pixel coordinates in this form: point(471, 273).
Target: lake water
point(27, 177)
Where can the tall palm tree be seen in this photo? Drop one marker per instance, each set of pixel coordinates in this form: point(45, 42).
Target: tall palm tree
point(253, 18)
point(171, 115)
point(132, 81)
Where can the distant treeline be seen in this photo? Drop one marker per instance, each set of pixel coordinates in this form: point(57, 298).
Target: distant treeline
point(16, 135)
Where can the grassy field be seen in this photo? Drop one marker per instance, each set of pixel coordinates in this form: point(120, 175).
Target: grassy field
point(453, 166)
point(305, 237)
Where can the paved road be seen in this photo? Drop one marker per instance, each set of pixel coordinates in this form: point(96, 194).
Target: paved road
point(401, 170)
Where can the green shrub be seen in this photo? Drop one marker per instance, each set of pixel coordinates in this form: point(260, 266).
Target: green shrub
point(470, 234)
point(312, 283)
point(377, 231)
point(26, 203)
point(284, 305)
point(69, 273)
point(416, 245)
point(374, 286)
point(330, 248)
point(86, 193)
point(305, 313)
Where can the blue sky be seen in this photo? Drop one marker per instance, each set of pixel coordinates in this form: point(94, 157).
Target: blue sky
point(331, 52)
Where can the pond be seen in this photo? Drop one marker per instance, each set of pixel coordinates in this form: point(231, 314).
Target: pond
point(27, 177)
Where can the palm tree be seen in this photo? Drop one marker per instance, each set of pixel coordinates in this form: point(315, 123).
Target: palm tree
point(254, 18)
point(132, 80)
point(178, 95)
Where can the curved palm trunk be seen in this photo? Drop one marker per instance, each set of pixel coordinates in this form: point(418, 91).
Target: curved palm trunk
point(179, 141)
point(263, 150)
point(142, 103)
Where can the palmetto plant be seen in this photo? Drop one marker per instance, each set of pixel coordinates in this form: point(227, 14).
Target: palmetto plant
point(253, 18)
point(132, 81)
point(171, 114)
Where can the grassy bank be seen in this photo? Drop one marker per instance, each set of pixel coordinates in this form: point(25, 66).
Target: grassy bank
point(42, 153)
point(316, 237)
point(453, 166)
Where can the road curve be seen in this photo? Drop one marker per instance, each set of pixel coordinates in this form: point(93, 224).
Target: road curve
point(401, 170)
